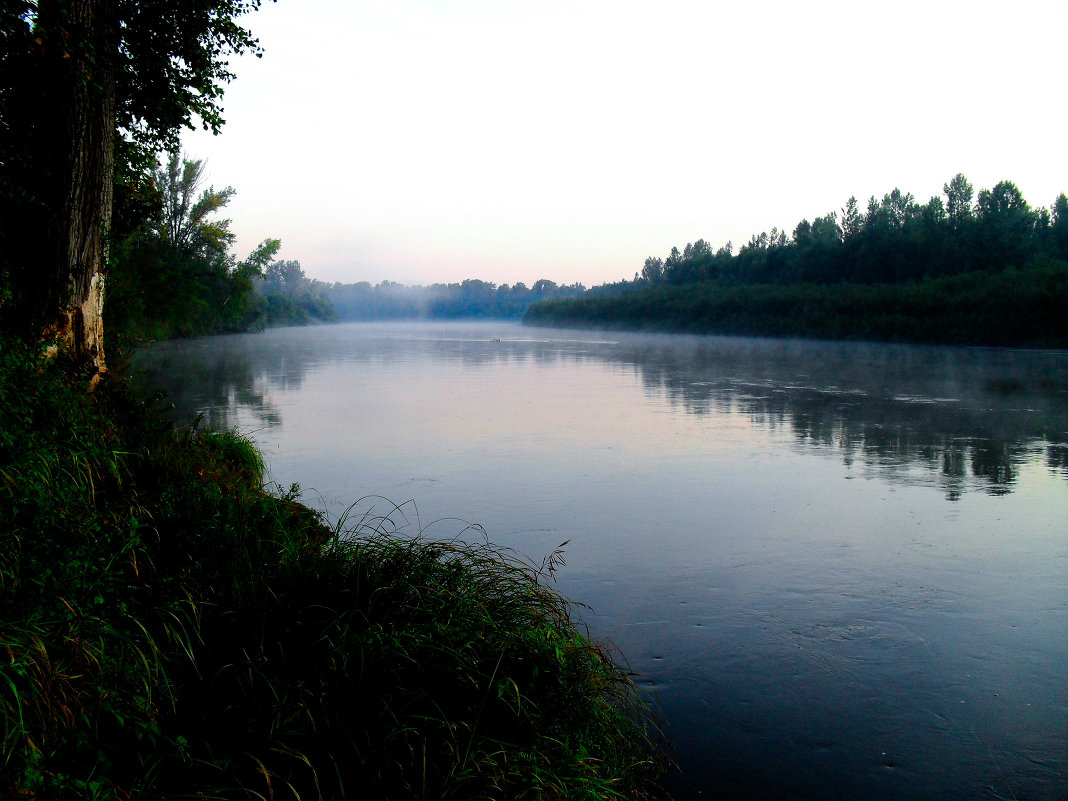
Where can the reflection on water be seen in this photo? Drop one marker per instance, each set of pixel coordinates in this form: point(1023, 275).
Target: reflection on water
point(928, 415)
point(954, 418)
point(842, 570)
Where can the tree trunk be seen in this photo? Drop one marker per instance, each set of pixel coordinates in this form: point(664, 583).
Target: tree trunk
point(82, 57)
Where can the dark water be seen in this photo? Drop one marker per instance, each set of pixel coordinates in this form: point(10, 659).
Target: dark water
point(841, 569)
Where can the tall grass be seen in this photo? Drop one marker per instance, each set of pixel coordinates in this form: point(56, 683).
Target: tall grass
point(170, 629)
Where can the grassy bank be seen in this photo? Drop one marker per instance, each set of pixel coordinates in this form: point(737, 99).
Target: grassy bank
point(169, 628)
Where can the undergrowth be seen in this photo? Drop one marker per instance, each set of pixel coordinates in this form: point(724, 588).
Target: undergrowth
point(169, 628)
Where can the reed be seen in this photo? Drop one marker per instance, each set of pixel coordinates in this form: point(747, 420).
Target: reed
point(170, 628)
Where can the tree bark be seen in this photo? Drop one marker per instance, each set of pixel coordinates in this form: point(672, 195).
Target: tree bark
point(83, 53)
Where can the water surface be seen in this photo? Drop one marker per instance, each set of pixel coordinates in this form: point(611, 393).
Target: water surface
point(841, 569)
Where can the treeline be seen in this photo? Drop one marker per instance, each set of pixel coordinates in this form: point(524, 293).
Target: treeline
point(470, 299)
point(285, 296)
point(1012, 308)
point(172, 271)
point(992, 271)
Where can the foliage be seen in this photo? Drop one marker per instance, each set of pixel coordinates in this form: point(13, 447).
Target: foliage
point(140, 70)
point(897, 240)
point(184, 221)
point(288, 297)
point(169, 628)
point(988, 272)
point(1015, 307)
point(170, 59)
point(174, 274)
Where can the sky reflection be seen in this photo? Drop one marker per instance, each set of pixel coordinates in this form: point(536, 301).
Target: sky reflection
point(952, 418)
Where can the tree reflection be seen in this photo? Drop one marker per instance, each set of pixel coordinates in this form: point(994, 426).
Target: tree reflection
point(218, 380)
point(958, 416)
point(951, 418)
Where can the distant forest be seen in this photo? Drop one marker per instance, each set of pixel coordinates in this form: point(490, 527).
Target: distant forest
point(173, 273)
point(470, 299)
point(966, 269)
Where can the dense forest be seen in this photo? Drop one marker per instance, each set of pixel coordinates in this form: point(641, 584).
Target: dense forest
point(986, 269)
point(471, 299)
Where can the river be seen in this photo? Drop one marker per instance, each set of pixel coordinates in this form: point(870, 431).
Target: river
point(840, 570)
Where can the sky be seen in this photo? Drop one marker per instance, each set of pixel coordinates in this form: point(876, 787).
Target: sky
point(425, 141)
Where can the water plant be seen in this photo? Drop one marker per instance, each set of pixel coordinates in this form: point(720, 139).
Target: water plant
point(170, 628)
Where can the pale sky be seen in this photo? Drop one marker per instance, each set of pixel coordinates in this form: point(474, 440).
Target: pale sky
point(425, 141)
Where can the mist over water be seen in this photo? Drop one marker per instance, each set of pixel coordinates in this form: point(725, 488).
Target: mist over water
point(841, 569)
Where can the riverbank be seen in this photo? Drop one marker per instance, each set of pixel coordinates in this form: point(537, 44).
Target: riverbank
point(171, 627)
point(1014, 308)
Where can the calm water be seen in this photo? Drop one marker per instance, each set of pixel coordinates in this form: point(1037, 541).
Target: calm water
point(842, 570)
